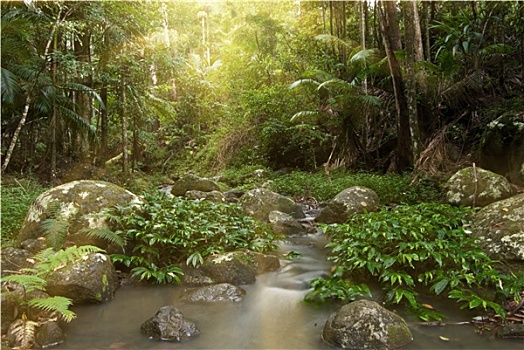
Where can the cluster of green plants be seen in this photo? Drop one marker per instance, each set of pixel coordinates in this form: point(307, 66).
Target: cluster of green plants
point(390, 188)
point(165, 232)
point(23, 283)
point(17, 196)
point(411, 250)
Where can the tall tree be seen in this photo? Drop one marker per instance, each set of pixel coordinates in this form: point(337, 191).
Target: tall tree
point(387, 14)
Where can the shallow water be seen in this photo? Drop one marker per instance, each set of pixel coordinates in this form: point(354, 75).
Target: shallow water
point(272, 315)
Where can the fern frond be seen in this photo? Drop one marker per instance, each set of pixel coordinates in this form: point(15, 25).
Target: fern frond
point(55, 231)
point(49, 260)
point(304, 114)
point(29, 282)
point(106, 234)
point(57, 304)
point(24, 333)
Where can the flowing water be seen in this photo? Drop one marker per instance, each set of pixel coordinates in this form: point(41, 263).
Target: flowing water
point(272, 315)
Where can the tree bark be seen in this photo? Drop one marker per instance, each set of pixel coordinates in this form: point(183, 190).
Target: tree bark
point(14, 139)
point(387, 18)
point(125, 139)
point(413, 54)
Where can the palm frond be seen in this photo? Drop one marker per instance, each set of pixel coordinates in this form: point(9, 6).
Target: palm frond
point(465, 90)
point(304, 114)
point(75, 120)
point(10, 86)
point(84, 90)
point(332, 39)
point(57, 304)
point(307, 82)
point(339, 84)
point(364, 56)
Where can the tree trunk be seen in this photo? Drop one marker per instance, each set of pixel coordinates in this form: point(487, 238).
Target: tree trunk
point(14, 139)
point(125, 140)
point(103, 122)
point(412, 55)
point(387, 18)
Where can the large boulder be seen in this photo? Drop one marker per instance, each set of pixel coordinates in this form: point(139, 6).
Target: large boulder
point(89, 280)
point(474, 186)
point(365, 325)
point(81, 205)
point(213, 196)
point(283, 223)
point(169, 324)
point(215, 293)
point(239, 267)
point(14, 259)
point(502, 147)
point(500, 230)
point(352, 200)
point(192, 182)
point(260, 202)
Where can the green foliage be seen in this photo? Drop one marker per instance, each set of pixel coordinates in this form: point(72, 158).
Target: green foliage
point(167, 232)
point(244, 177)
point(46, 262)
point(17, 195)
point(390, 188)
point(408, 249)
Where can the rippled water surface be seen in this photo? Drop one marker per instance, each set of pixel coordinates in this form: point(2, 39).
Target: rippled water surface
point(272, 315)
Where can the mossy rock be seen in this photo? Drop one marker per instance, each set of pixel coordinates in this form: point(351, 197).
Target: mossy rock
point(79, 204)
point(474, 186)
point(500, 230)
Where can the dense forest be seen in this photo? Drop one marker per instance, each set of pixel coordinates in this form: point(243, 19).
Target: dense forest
point(168, 86)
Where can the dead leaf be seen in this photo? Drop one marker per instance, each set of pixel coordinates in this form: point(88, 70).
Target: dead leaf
point(427, 306)
point(443, 338)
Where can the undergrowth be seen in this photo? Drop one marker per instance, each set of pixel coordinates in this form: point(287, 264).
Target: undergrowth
point(17, 195)
point(167, 232)
point(390, 188)
point(409, 250)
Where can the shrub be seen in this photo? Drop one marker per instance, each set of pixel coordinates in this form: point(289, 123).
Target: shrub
point(408, 249)
point(17, 197)
point(166, 232)
point(390, 188)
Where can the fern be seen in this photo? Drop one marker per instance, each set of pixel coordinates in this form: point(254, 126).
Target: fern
point(28, 282)
point(56, 303)
point(55, 231)
point(112, 237)
point(24, 333)
point(49, 260)
point(55, 228)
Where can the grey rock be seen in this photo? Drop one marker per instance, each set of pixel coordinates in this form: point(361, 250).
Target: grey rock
point(500, 230)
point(350, 201)
point(476, 186)
point(365, 325)
point(259, 202)
point(90, 280)
point(215, 293)
point(169, 324)
point(80, 203)
point(192, 182)
point(283, 223)
point(213, 196)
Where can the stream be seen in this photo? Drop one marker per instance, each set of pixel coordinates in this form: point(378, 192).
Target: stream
point(272, 315)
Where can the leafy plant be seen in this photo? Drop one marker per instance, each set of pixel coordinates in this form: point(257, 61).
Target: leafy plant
point(166, 232)
point(46, 262)
point(408, 249)
point(391, 188)
point(17, 196)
